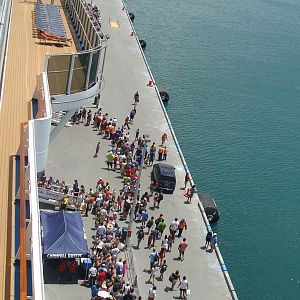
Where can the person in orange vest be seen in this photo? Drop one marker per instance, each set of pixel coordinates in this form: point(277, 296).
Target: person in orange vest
point(160, 153)
point(165, 153)
point(182, 225)
point(164, 137)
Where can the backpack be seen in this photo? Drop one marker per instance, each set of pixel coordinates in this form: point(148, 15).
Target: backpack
point(156, 257)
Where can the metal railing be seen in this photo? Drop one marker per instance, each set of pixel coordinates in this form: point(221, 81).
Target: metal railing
point(78, 71)
point(23, 263)
point(131, 273)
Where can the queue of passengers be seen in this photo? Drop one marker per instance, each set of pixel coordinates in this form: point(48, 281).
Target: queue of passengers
point(109, 268)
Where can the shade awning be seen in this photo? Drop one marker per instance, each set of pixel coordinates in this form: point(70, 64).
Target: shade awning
point(63, 235)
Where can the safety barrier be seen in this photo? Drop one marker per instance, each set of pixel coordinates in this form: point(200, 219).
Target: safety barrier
point(131, 273)
point(152, 84)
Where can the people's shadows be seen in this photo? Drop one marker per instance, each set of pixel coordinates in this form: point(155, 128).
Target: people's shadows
point(210, 250)
point(151, 208)
point(203, 248)
point(135, 247)
point(167, 289)
point(146, 271)
point(177, 258)
point(177, 297)
point(182, 188)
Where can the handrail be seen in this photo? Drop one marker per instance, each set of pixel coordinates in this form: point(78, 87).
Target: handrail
point(23, 266)
point(218, 253)
point(36, 247)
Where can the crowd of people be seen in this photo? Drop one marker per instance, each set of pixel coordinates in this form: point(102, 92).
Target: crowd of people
point(110, 207)
point(94, 14)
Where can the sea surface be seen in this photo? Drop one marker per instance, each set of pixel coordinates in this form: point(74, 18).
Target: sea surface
point(232, 70)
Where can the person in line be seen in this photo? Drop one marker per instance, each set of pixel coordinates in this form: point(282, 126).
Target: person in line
point(153, 258)
point(174, 277)
point(213, 242)
point(183, 287)
point(208, 239)
point(152, 293)
point(164, 137)
point(89, 118)
point(136, 98)
point(182, 225)
point(173, 228)
point(163, 269)
point(150, 224)
point(181, 248)
point(64, 202)
point(140, 236)
point(152, 274)
point(62, 271)
point(150, 240)
point(160, 153)
point(137, 134)
point(186, 179)
point(191, 194)
point(165, 153)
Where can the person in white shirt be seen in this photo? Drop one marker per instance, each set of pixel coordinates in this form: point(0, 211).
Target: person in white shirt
point(174, 227)
point(101, 231)
point(164, 243)
point(183, 286)
point(114, 252)
point(92, 275)
point(152, 293)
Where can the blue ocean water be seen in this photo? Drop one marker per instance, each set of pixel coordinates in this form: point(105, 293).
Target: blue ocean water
point(232, 69)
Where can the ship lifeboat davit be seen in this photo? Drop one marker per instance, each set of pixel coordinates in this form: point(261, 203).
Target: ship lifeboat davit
point(131, 16)
point(164, 96)
point(210, 208)
point(143, 44)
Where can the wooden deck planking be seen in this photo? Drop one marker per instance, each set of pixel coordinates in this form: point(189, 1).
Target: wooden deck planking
point(25, 60)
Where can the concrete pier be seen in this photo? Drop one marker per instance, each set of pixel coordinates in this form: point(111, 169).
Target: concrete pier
point(71, 157)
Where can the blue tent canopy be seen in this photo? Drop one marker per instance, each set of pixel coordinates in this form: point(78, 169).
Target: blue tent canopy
point(63, 235)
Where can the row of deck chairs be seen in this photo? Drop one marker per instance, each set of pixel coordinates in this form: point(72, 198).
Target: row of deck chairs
point(49, 23)
point(94, 14)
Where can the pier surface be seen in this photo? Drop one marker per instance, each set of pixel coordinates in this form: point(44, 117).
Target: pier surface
point(71, 157)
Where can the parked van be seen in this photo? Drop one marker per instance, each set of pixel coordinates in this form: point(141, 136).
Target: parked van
point(164, 177)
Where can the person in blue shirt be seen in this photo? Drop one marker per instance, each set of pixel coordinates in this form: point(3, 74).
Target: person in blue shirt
point(213, 242)
point(144, 217)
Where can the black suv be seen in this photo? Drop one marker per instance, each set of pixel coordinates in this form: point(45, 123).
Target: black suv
point(164, 178)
